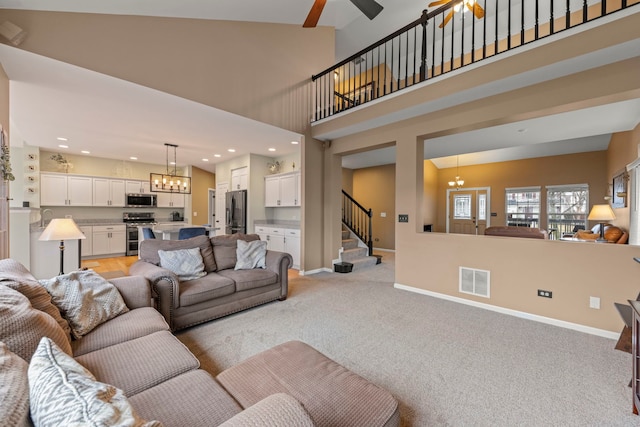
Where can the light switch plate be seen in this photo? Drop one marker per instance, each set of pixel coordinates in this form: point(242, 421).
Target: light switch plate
point(403, 218)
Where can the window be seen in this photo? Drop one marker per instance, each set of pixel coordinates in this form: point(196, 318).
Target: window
point(462, 206)
point(567, 207)
point(523, 206)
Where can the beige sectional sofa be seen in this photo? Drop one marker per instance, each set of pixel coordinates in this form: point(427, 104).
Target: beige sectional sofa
point(291, 384)
point(222, 291)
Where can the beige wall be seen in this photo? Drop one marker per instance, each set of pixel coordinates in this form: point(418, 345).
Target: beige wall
point(374, 188)
point(430, 185)
point(4, 100)
point(623, 149)
point(347, 180)
point(583, 168)
point(201, 182)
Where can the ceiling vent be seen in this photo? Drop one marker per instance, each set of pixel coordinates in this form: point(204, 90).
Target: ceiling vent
point(359, 60)
point(475, 282)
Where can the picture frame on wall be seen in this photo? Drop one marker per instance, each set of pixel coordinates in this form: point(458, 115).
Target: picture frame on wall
point(619, 196)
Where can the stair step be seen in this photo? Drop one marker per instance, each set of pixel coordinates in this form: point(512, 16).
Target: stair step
point(349, 244)
point(346, 234)
point(362, 263)
point(348, 255)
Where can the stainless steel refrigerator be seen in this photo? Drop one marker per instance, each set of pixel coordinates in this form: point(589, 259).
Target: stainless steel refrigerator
point(236, 212)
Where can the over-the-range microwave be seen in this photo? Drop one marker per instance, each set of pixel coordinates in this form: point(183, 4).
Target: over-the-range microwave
point(141, 200)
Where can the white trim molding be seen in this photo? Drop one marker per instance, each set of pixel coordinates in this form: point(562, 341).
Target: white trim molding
point(542, 319)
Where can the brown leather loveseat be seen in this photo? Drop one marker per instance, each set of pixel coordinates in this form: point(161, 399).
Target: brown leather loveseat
point(511, 231)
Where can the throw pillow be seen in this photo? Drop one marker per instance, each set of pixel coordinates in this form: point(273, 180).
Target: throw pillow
point(187, 264)
point(251, 255)
point(14, 388)
point(85, 299)
point(62, 393)
point(22, 326)
point(16, 276)
point(224, 248)
point(149, 250)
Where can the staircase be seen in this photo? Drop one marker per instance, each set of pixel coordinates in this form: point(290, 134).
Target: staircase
point(356, 255)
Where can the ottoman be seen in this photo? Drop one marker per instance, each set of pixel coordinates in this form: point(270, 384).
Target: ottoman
point(330, 393)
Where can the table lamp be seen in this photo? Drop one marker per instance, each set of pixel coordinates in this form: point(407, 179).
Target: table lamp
point(602, 214)
point(62, 229)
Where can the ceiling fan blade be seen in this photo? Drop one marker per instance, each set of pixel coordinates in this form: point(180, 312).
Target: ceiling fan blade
point(314, 14)
point(438, 3)
point(477, 10)
point(447, 18)
point(370, 8)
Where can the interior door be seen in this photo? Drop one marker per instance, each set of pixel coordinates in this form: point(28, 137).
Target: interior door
point(468, 211)
point(221, 199)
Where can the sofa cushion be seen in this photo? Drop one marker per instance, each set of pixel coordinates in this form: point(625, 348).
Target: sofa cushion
point(16, 276)
point(224, 248)
point(278, 409)
point(202, 401)
point(250, 254)
point(133, 324)
point(136, 365)
point(85, 299)
point(149, 250)
point(250, 279)
point(63, 392)
point(22, 326)
point(187, 264)
point(212, 286)
point(14, 388)
point(331, 394)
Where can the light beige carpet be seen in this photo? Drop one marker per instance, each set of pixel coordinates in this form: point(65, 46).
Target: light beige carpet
point(448, 364)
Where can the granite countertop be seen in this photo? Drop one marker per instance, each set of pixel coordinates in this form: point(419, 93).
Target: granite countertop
point(293, 225)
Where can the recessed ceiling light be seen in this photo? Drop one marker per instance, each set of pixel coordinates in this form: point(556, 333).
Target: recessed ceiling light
point(133, 158)
point(63, 146)
point(231, 150)
point(205, 160)
point(217, 155)
point(272, 149)
point(61, 139)
point(85, 152)
point(295, 142)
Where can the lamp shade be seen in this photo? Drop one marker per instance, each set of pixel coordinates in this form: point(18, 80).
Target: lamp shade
point(62, 229)
point(601, 213)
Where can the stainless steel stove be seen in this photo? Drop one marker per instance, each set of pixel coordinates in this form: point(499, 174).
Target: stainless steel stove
point(133, 220)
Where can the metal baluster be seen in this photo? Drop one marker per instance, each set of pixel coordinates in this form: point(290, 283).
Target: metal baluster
point(521, 22)
point(537, 26)
point(567, 15)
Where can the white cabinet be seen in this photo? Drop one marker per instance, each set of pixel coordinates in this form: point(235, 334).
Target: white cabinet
point(109, 239)
point(282, 190)
point(292, 245)
point(86, 244)
point(170, 200)
point(281, 240)
point(108, 192)
point(137, 187)
point(239, 179)
point(65, 190)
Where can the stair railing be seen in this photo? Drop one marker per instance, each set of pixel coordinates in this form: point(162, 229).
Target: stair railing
point(358, 219)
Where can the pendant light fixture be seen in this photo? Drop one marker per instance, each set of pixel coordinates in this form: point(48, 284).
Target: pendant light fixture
point(170, 182)
point(458, 182)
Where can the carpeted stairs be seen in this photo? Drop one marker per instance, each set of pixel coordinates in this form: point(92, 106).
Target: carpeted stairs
point(358, 256)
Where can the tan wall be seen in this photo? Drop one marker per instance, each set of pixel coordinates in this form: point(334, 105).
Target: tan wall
point(623, 149)
point(430, 185)
point(4, 100)
point(583, 168)
point(347, 180)
point(201, 182)
point(374, 188)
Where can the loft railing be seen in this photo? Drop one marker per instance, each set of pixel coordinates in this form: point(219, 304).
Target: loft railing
point(357, 219)
point(425, 48)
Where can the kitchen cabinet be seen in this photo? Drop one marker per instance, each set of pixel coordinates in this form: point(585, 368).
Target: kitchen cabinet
point(282, 240)
point(86, 244)
point(65, 190)
point(282, 190)
point(240, 179)
point(170, 200)
point(137, 187)
point(109, 239)
point(108, 192)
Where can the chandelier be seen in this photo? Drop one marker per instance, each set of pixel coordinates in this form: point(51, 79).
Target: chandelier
point(170, 182)
point(458, 182)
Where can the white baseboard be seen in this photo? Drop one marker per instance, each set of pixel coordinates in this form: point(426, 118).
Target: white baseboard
point(316, 271)
point(542, 319)
point(384, 250)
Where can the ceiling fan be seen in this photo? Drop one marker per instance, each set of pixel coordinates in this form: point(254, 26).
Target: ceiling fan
point(370, 8)
point(472, 5)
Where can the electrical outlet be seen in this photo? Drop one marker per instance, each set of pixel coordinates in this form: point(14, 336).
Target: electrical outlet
point(545, 294)
point(403, 218)
point(594, 302)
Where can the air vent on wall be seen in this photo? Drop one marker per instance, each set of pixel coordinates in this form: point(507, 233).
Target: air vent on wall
point(475, 282)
